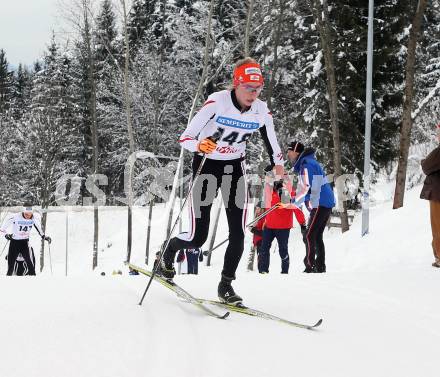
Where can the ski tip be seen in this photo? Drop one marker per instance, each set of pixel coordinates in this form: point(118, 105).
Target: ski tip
point(316, 324)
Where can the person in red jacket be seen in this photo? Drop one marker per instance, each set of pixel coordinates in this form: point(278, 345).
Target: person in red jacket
point(278, 224)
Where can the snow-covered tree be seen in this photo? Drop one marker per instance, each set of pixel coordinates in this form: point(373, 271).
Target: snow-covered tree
point(427, 78)
point(51, 128)
point(6, 83)
point(106, 46)
point(13, 97)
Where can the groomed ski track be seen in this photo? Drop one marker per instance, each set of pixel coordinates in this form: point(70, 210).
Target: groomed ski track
point(379, 302)
point(94, 327)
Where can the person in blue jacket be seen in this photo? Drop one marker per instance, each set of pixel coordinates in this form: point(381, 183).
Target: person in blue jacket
point(315, 191)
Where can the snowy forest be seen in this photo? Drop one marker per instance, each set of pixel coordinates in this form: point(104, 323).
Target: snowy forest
point(132, 74)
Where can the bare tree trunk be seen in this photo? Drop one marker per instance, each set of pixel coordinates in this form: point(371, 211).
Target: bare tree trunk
point(208, 43)
point(278, 33)
point(127, 105)
point(43, 229)
point(265, 46)
point(156, 100)
point(214, 231)
point(248, 27)
point(405, 131)
point(251, 259)
point(170, 217)
point(321, 16)
point(94, 130)
point(269, 94)
point(159, 78)
point(44, 206)
point(150, 215)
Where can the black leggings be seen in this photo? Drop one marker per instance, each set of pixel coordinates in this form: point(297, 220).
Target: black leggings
point(16, 247)
point(229, 177)
point(314, 242)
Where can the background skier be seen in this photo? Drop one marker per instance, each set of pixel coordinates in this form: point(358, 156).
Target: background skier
point(22, 223)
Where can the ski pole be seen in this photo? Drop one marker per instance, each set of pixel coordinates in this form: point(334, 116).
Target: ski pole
point(4, 247)
point(264, 214)
point(258, 218)
point(164, 247)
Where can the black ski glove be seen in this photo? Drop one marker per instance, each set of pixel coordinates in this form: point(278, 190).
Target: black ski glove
point(256, 231)
point(200, 256)
point(8, 237)
point(180, 257)
point(47, 238)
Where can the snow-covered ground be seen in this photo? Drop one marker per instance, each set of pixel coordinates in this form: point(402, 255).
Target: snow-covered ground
point(379, 302)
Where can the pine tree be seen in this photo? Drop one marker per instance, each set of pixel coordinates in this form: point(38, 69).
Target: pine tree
point(6, 83)
point(10, 189)
point(428, 77)
point(185, 6)
point(21, 92)
point(142, 18)
point(284, 41)
point(227, 13)
point(109, 62)
point(106, 54)
point(83, 88)
point(52, 126)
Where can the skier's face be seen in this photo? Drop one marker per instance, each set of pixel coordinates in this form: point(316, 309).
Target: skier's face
point(292, 155)
point(247, 93)
point(27, 215)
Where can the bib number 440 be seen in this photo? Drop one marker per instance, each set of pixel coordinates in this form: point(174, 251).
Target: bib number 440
point(232, 137)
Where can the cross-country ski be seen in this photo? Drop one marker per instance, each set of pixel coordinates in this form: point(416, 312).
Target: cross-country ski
point(180, 292)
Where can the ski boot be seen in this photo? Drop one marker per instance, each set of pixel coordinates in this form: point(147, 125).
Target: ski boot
point(226, 293)
point(166, 269)
point(319, 269)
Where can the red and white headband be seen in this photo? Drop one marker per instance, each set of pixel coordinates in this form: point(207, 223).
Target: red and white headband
point(248, 73)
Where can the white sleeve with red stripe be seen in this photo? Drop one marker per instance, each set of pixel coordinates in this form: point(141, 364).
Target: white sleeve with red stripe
point(7, 223)
point(270, 129)
point(189, 140)
point(304, 188)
